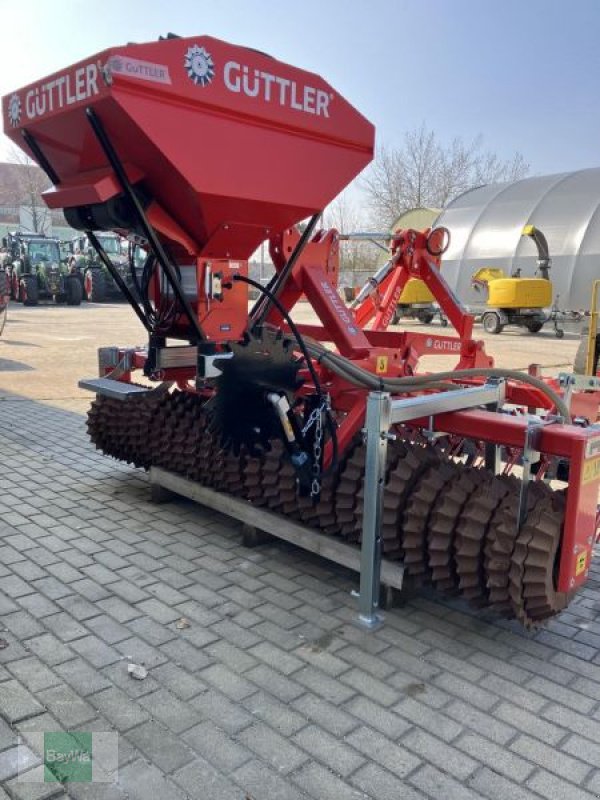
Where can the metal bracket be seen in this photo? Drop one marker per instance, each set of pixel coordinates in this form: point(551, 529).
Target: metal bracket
point(493, 451)
point(378, 421)
point(176, 357)
point(109, 387)
point(571, 383)
point(108, 358)
point(207, 365)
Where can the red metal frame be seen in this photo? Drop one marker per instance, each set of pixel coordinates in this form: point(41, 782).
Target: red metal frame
point(412, 258)
point(397, 353)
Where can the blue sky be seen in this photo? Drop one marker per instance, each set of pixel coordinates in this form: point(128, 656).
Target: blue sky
point(523, 73)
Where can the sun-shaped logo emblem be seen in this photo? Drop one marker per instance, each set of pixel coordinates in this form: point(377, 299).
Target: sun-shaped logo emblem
point(14, 110)
point(199, 65)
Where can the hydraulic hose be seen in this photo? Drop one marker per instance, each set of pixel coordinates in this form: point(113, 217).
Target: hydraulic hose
point(439, 380)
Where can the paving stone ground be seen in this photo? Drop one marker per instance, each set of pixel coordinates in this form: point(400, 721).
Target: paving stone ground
point(271, 693)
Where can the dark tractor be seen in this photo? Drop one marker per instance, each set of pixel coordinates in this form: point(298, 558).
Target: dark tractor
point(38, 270)
point(98, 283)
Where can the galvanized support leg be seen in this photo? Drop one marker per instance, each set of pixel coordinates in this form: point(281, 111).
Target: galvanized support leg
point(492, 457)
point(493, 460)
point(377, 431)
point(530, 457)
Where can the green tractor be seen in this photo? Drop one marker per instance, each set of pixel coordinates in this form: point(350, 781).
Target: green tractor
point(98, 283)
point(37, 270)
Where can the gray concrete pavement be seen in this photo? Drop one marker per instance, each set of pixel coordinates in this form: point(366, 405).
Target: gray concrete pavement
point(270, 693)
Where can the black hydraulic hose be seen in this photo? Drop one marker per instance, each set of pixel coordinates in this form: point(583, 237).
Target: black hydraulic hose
point(149, 232)
point(292, 325)
point(40, 157)
point(262, 307)
point(102, 255)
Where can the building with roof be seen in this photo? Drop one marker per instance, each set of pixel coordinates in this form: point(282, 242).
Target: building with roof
point(485, 225)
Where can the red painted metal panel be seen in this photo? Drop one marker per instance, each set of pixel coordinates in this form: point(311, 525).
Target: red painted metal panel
point(224, 135)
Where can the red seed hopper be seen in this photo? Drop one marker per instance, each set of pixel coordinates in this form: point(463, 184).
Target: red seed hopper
point(225, 143)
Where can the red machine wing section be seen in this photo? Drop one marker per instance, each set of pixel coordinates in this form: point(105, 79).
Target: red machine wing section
point(223, 135)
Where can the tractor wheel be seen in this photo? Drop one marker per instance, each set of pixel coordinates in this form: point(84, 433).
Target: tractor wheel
point(73, 290)
point(425, 316)
point(534, 326)
point(491, 322)
point(559, 333)
point(94, 284)
point(29, 290)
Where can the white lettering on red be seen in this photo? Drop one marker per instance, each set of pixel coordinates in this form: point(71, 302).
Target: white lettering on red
point(241, 79)
point(64, 90)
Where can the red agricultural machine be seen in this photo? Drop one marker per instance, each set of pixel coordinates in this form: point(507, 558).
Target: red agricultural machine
point(198, 151)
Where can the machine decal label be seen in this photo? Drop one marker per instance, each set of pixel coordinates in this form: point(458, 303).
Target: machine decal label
point(388, 316)
point(256, 83)
point(136, 68)
point(72, 87)
point(451, 345)
point(381, 364)
point(592, 447)
point(340, 308)
point(591, 470)
point(581, 562)
point(275, 89)
point(199, 65)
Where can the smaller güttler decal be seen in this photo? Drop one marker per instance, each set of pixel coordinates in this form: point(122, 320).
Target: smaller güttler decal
point(136, 68)
point(199, 65)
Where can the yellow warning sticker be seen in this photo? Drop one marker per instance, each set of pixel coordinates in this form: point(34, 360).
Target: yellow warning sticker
point(581, 562)
point(591, 470)
point(382, 365)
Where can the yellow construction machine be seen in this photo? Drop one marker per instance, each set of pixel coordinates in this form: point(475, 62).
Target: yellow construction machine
point(516, 300)
point(416, 302)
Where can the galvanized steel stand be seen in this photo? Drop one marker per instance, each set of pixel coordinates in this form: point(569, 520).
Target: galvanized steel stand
point(382, 413)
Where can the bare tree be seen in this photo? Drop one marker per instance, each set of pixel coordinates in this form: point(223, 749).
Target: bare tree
point(355, 256)
point(23, 189)
point(425, 172)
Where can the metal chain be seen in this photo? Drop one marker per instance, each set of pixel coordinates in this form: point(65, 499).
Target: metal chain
point(315, 486)
point(316, 418)
point(312, 419)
